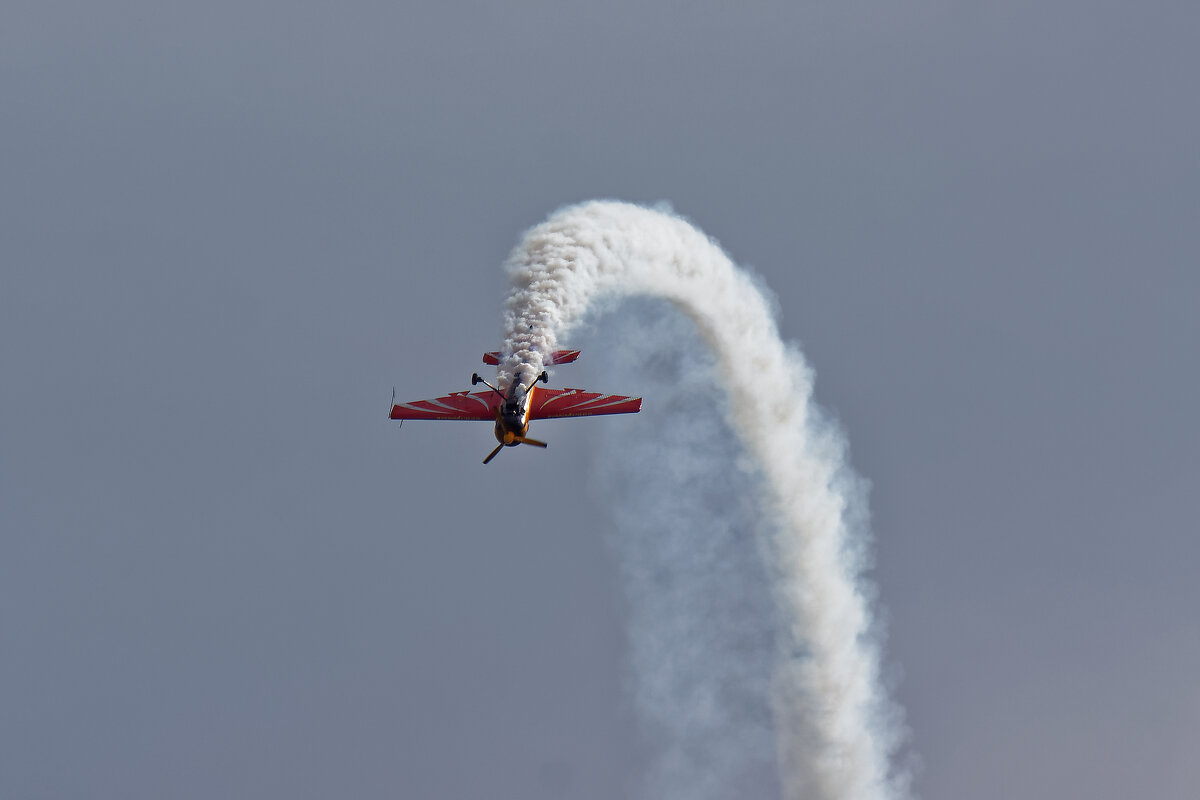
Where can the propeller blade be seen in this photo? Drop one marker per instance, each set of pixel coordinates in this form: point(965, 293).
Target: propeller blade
point(492, 454)
point(533, 442)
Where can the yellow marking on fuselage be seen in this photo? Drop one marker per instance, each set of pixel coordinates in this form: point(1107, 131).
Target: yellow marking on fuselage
point(508, 435)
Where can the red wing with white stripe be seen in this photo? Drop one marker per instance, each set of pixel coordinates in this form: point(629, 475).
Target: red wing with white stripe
point(554, 403)
point(460, 405)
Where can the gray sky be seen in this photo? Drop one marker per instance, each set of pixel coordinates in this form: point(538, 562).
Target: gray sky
point(226, 230)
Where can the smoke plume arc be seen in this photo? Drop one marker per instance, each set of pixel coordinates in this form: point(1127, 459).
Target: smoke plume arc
point(834, 728)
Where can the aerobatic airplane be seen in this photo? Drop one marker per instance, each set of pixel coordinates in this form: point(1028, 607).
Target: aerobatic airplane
point(513, 410)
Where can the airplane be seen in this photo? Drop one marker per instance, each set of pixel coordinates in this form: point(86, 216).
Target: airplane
point(513, 410)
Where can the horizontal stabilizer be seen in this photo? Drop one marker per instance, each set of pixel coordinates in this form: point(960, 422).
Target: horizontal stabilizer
point(557, 357)
point(562, 357)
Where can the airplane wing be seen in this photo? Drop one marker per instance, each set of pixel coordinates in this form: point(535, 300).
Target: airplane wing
point(459, 405)
point(553, 403)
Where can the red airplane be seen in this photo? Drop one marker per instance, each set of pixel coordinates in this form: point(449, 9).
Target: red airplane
point(513, 410)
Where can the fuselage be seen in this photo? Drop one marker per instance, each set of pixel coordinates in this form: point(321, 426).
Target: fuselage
point(512, 416)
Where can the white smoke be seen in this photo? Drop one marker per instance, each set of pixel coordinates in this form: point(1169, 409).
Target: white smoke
point(833, 725)
point(701, 622)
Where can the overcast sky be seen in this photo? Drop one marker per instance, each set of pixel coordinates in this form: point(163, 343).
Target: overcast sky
point(228, 229)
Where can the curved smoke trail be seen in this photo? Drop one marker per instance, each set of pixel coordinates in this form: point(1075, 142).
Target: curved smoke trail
point(834, 728)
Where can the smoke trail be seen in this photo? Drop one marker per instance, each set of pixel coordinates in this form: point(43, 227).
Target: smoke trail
point(701, 622)
point(834, 729)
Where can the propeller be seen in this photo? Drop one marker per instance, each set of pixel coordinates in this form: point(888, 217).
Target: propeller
point(518, 440)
